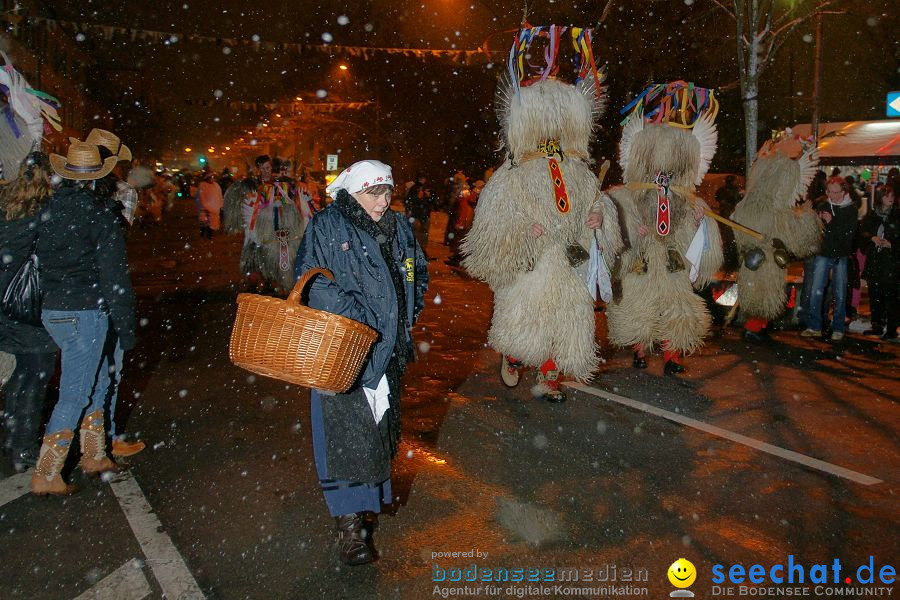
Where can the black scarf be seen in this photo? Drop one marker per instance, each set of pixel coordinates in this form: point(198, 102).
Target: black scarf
point(384, 232)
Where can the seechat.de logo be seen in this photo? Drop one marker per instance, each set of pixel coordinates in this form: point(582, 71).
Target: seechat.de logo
point(799, 573)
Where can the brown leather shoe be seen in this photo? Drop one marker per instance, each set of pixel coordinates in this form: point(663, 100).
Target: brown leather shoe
point(95, 468)
point(122, 448)
point(353, 540)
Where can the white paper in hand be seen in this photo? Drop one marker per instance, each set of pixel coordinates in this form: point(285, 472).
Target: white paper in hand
point(378, 398)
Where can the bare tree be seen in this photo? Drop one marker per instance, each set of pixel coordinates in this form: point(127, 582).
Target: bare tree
point(762, 26)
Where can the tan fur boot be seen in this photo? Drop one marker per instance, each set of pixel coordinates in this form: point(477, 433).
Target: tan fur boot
point(47, 478)
point(94, 460)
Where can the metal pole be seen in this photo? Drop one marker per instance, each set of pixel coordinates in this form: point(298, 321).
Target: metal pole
point(817, 81)
point(793, 96)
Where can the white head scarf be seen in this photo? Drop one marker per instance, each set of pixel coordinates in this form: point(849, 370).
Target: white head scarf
point(361, 175)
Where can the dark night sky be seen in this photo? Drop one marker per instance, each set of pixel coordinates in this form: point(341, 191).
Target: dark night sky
point(435, 111)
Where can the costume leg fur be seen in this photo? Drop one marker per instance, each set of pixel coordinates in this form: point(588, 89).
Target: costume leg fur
point(657, 306)
point(547, 313)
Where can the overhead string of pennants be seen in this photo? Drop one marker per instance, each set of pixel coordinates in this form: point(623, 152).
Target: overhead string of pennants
point(295, 107)
point(109, 32)
point(678, 103)
point(523, 69)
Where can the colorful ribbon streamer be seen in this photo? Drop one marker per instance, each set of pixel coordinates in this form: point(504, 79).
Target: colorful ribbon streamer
point(678, 103)
point(581, 43)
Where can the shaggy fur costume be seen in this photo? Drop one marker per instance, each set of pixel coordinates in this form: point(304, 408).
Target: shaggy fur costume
point(262, 249)
point(542, 308)
point(657, 302)
point(775, 184)
point(288, 220)
point(234, 197)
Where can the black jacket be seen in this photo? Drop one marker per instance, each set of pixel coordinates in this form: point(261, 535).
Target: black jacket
point(16, 238)
point(840, 233)
point(84, 264)
point(882, 264)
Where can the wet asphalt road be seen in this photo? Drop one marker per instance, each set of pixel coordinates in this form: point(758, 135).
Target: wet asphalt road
point(588, 484)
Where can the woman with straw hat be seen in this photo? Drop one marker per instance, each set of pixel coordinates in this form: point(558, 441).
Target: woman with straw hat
point(122, 199)
point(88, 305)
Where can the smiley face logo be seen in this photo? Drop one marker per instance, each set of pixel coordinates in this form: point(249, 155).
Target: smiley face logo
point(682, 573)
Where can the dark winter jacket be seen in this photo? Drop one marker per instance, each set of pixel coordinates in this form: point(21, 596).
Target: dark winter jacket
point(16, 239)
point(84, 264)
point(839, 235)
point(881, 263)
point(363, 290)
point(380, 279)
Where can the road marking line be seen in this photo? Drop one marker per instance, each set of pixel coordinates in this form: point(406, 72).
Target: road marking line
point(125, 583)
point(163, 558)
point(808, 461)
point(14, 487)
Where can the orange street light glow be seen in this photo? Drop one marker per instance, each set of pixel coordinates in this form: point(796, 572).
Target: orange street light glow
point(187, 148)
point(343, 67)
point(228, 147)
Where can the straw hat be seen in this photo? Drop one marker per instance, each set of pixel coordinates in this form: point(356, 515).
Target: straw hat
point(110, 141)
point(82, 162)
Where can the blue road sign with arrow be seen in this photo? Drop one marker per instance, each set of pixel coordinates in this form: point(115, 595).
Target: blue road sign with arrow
point(893, 104)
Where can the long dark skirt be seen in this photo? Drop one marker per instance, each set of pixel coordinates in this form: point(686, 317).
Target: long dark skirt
point(342, 497)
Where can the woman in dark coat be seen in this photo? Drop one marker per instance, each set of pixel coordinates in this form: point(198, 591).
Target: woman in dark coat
point(880, 240)
point(20, 204)
point(380, 280)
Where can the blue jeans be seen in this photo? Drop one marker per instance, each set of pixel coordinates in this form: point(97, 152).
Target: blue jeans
point(84, 384)
point(837, 267)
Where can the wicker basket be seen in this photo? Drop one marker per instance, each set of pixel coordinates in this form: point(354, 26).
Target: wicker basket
point(289, 341)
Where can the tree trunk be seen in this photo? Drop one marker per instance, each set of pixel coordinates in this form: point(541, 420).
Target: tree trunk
point(751, 122)
point(751, 99)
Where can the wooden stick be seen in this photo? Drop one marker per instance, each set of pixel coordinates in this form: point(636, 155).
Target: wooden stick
point(603, 169)
point(690, 195)
point(733, 225)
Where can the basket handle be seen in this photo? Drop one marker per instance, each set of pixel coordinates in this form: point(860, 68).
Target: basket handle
point(296, 293)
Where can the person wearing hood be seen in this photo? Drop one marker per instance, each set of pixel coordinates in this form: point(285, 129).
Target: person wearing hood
point(380, 279)
point(839, 215)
